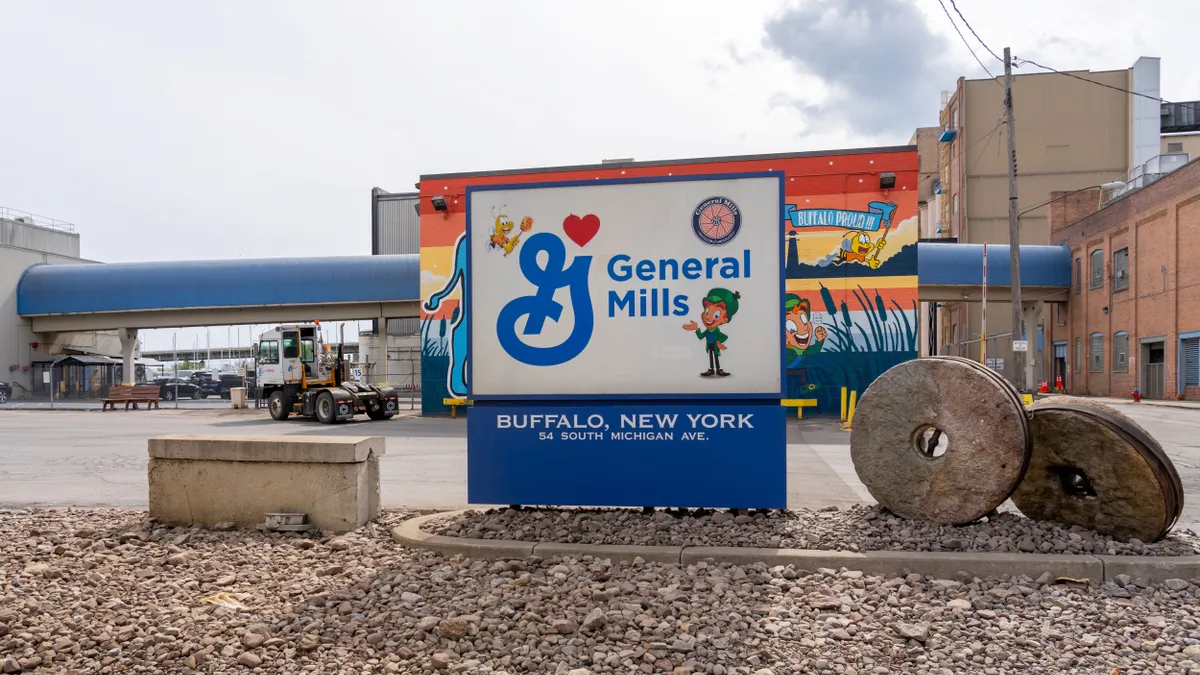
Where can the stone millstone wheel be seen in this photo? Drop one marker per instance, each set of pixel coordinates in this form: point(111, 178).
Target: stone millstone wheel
point(916, 409)
point(1094, 467)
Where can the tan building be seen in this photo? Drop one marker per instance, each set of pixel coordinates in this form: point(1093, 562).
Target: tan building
point(1071, 135)
point(928, 221)
point(1187, 143)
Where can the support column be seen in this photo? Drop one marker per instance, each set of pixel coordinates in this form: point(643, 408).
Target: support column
point(1031, 311)
point(128, 345)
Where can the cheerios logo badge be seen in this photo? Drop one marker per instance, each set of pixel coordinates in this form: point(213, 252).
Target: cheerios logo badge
point(716, 220)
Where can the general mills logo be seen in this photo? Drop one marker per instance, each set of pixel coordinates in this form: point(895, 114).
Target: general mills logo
point(541, 305)
point(716, 220)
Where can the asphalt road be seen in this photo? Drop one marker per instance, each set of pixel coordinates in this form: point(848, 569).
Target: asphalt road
point(90, 458)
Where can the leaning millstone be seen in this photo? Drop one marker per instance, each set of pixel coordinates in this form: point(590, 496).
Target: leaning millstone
point(1093, 467)
point(907, 410)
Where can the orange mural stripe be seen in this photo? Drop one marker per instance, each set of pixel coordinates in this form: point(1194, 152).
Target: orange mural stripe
point(445, 311)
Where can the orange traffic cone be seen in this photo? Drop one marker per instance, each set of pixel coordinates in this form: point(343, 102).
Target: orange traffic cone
point(1044, 389)
point(1058, 385)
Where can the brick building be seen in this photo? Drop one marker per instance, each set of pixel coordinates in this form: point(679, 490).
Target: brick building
point(1133, 316)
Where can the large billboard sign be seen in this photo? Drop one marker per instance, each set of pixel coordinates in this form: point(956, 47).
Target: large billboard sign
point(626, 289)
point(619, 330)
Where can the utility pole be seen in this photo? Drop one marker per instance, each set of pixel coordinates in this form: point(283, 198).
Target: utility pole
point(1017, 367)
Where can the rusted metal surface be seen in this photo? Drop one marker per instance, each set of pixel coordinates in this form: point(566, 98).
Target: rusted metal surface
point(978, 414)
point(1094, 467)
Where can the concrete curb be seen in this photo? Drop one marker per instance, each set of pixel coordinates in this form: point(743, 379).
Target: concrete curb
point(938, 565)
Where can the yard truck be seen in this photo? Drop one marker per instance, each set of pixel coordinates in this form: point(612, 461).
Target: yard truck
point(299, 374)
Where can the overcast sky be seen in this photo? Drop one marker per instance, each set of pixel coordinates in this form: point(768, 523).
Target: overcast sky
point(170, 130)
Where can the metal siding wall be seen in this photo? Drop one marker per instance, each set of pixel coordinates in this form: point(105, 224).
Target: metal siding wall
point(403, 326)
point(398, 231)
point(398, 226)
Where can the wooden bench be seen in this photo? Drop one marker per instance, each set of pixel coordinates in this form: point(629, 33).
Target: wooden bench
point(132, 395)
point(799, 404)
point(453, 404)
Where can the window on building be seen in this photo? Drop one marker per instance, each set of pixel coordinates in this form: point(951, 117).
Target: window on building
point(1078, 274)
point(954, 205)
point(1121, 352)
point(954, 119)
point(1174, 147)
point(1060, 314)
point(1096, 354)
point(1096, 269)
point(268, 351)
point(1121, 270)
point(1078, 354)
point(1191, 361)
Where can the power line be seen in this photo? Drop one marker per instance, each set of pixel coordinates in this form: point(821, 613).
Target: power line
point(964, 41)
point(968, 25)
point(991, 134)
point(1106, 86)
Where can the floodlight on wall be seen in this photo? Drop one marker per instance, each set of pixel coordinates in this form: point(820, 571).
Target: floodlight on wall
point(887, 180)
point(417, 208)
point(439, 203)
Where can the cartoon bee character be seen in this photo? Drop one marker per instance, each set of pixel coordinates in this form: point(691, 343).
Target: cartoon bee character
point(858, 247)
point(504, 226)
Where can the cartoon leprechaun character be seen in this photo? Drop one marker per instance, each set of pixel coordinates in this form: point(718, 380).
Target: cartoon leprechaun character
point(800, 337)
point(719, 307)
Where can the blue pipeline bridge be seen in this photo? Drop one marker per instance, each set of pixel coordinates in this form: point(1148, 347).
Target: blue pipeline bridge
point(105, 296)
point(955, 273)
point(132, 296)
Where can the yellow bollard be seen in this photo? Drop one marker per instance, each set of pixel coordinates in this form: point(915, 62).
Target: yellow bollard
point(843, 404)
point(850, 415)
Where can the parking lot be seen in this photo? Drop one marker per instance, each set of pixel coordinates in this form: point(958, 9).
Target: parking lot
point(92, 458)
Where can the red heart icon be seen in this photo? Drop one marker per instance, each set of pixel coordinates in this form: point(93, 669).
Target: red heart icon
point(581, 230)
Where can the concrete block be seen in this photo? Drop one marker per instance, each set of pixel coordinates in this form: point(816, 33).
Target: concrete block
point(939, 565)
point(262, 448)
point(207, 479)
point(1155, 569)
point(410, 534)
point(615, 553)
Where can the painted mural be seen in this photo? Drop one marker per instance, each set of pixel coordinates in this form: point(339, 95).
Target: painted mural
point(851, 268)
point(851, 303)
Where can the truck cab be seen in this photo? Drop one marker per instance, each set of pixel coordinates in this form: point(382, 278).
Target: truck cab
point(299, 373)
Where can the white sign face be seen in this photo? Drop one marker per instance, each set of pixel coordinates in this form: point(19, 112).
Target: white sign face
point(670, 287)
point(1020, 345)
point(45, 377)
point(356, 374)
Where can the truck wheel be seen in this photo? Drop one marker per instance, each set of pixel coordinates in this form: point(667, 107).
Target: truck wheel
point(324, 408)
point(377, 413)
point(279, 406)
point(197, 395)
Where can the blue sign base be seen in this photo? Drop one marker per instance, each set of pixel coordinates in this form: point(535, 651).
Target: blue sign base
point(686, 455)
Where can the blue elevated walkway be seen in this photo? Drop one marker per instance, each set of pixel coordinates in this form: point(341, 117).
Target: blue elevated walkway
point(208, 292)
point(954, 272)
point(206, 284)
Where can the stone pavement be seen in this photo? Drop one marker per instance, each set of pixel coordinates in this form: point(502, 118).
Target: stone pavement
point(59, 458)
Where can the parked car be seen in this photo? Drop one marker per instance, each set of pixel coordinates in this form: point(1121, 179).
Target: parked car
point(170, 387)
point(220, 385)
point(5, 392)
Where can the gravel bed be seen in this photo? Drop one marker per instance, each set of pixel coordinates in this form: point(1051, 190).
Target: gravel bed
point(857, 528)
point(102, 592)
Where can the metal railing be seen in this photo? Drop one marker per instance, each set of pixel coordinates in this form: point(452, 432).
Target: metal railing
point(33, 219)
